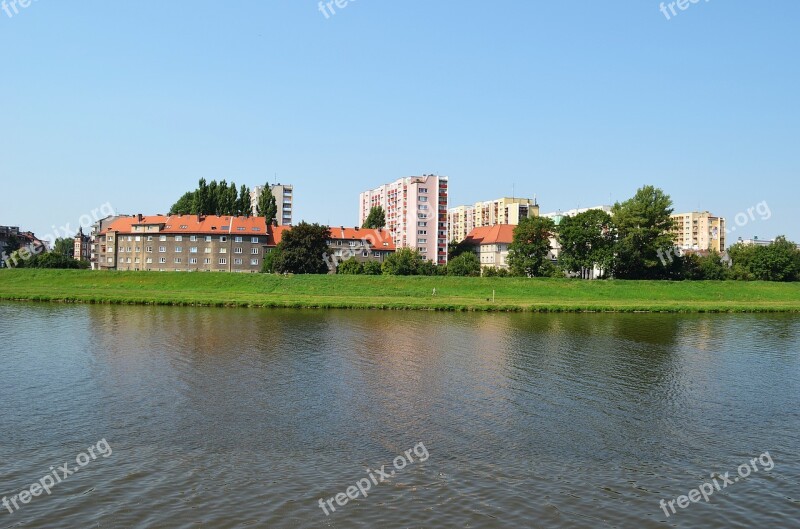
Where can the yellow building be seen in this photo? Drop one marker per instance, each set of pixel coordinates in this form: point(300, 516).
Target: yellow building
point(503, 211)
point(699, 231)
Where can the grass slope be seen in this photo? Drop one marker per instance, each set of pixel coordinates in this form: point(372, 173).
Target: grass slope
point(390, 292)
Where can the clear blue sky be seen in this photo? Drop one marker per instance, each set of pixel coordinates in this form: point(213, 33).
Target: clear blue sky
point(577, 102)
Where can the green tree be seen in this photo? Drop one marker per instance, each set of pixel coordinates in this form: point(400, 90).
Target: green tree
point(268, 263)
point(587, 242)
point(231, 200)
point(243, 207)
point(53, 259)
point(350, 267)
point(372, 268)
point(213, 198)
point(303, 250)
point(643, 230)
point(780, 261)
point(528, 253)
point(202, 199)
point(454, 249)
point(466, 264)
point(185, 205)
point(403, 262)
point(267, 206)
point(65, 247)
point(376, 218)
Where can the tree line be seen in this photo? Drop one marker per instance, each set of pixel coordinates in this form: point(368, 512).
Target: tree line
point(221, 198)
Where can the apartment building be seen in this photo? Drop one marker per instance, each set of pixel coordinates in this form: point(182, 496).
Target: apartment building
point(82, 246)
point(502, 211)
point(699, 231)
point(361, 243)
point(416, 213)
point(184, 243)
point(490, 244)
point(284, 198)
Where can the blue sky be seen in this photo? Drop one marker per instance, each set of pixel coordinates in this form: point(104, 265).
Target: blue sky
point(579, 103)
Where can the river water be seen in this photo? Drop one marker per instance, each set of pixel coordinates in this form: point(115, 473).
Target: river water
point(248, 418)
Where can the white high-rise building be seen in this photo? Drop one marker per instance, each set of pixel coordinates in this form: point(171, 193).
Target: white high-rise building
point(283, 198)
point(416, 213)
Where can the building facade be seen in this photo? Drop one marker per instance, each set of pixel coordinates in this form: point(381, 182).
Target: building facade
point(184, 243)
point(490, 244)
point(284, 198)
point(82, 246)
point(699, 231)
point(363, 244)
point(502, 211)
point(416, 213)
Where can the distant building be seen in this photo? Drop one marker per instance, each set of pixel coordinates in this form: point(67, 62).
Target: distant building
point(12, 238)
point(416, 213)
point(184, 243)
point(360, 243)
point(699, 231)
point(82, 246)
point(490, 244)
point(557, 216)
point(758, 242)
point(284, 199)
point(463, 219)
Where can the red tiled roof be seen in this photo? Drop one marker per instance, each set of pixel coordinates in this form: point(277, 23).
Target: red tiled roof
point(376, 238)
point(498, 234)
point(205, 225)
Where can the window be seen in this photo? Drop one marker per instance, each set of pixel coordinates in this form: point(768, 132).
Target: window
point(193, 260)
point(149, 260)
point(178, 249)
point(423, 189)
point(206, 250)
point(422, 241)
point(254, 251)
point(254, 262)
point(130, 238)
point(256, 229)
point(184, 227)
point(223, 250)
point(238, 250)
point(137, 238)
point(149, 238)
point(237, 239)
point(223, 238)
point(162, 249)
point(178, 260)
point(179, 238)
point(208, 238)
point(240, 228)
point(223, 261)
point(193, 249)
point(162, 260)
point(162, 238)
point(423, 199)
point(237, 261)
point(352, 243)
point(422, 232)
point(138, 249)
point(121, 249)
point(206, 261)
point(254, 240)
point(128, 260)
point(193, 238)
point(129, 249)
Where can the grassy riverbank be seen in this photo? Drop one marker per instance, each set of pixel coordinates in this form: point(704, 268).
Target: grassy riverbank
point(390, 292)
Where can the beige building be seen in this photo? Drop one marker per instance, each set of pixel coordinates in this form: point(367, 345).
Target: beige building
point(699, 231)
point(284, 198)
point(184, 243)
point(502, 211)
point(490, 244)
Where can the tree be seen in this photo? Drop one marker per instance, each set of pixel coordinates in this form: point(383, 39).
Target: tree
point(454, 249)
point(466, 264)
point(404, 262)
point(303, 250)
point(643, 229)
point(350, 267)
point(267, 206)
point(780, 261)
point(587, 242)
point(231, 201)
point(528, 253)
point(376, 218)
point(372, 268)
point(244, 207)
point(185, 205)
point(202, 199)
point(268, 263)
point(53, 259)
point(65, 247)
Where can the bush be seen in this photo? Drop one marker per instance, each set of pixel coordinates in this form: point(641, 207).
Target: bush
point(466, 265)
point(350, 267)
point(372, 268)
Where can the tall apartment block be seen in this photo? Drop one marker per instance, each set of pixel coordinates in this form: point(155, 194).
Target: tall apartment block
point(699, 231)
point(416, 213)
point(283, 198)
point(463, 219)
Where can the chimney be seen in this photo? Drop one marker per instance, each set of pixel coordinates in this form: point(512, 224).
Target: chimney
point(139, 217)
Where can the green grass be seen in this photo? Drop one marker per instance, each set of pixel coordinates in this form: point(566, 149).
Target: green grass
point(390, 292)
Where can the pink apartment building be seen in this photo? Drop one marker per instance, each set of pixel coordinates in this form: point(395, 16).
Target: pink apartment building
point(416, 213)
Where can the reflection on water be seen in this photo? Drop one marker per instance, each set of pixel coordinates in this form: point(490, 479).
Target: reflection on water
point(236, 418)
